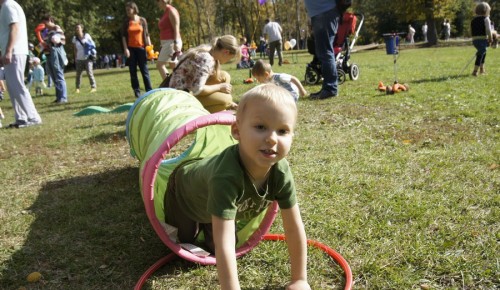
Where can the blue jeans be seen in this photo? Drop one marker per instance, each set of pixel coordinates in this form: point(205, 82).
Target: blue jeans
point(56, 65)
point(325, 27)
point(138, 57)
point(480, 45)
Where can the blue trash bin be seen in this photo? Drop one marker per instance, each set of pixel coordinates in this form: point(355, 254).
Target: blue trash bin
point(391, 43)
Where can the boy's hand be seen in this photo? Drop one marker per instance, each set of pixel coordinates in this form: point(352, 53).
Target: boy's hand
point(298, 285)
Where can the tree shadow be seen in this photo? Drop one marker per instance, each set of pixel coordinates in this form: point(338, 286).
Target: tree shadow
point(88, 232)
point(107, 137)
point(439, 79)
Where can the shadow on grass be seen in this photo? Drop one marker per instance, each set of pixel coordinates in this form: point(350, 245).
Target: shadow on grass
point(107, 137)
point(439, 79)
point(88, 232)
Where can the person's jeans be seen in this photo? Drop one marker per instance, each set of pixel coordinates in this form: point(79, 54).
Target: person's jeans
point(47, 69)
point(138, 57)
point(56, 60)
point(480, 45)
point(325, 27)
point(275, 46)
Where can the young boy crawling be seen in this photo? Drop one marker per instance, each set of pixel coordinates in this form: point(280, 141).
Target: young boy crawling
point(210, 194)
point(264, 74)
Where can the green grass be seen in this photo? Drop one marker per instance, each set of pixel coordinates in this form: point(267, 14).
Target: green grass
point(404, 186)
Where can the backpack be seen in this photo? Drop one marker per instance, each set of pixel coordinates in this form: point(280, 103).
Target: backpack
point(89, 49)
point(342, 5)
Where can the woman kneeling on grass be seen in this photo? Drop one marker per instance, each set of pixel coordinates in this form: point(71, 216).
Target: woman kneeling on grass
point(211, 194)
point(198, 71)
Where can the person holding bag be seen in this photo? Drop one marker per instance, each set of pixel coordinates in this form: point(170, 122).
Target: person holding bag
point(82, 60)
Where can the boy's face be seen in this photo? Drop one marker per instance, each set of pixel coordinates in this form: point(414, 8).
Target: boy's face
point(265, 133)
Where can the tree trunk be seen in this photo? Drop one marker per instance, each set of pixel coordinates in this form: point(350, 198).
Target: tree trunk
point(201, 33)
point(298, 36)
point(209, 25)
point(432, 37)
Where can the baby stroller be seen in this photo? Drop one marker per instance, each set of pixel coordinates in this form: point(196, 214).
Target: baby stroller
point(342, 46)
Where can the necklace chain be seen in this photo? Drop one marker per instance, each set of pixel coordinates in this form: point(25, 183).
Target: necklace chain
point(253, 181)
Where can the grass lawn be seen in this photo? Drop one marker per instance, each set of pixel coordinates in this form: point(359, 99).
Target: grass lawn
point(405, 187)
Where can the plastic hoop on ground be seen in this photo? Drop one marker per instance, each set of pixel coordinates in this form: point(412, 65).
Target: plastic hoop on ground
point(329, 251)
point(149, 176)
point(268, 237)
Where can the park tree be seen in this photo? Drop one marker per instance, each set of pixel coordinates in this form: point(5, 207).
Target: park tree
point(201, 20)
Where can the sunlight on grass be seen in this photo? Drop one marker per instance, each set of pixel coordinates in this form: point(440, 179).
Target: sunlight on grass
point(404, 186)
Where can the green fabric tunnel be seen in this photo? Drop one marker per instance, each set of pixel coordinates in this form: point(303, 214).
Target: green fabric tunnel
point(156, 122)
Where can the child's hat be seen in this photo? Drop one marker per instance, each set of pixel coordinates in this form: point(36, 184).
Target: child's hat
point(36, 60)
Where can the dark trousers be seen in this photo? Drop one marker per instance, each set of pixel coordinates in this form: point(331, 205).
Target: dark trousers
point(138, 58)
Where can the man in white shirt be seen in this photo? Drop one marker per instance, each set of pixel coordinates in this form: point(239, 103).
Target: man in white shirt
point(424, 31)
point(411, 34)
point(14, 52)
point(273, 32)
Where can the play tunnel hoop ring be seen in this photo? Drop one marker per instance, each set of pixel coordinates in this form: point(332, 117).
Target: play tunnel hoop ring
point(149, 174)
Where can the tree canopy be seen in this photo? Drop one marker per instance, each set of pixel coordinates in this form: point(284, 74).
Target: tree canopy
point(202, 20)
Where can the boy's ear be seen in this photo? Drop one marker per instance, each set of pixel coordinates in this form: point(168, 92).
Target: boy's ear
point(235, 131)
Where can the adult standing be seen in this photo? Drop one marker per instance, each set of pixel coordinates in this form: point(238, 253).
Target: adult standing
point(199, 72)
point(83, 61)
point(170, 37)
point(273, 32)
point(135, 38)
point(14, 51)
point(411, 34)
point(57, 59)
point(425, 28)
point(325, 22)
point(447, 29)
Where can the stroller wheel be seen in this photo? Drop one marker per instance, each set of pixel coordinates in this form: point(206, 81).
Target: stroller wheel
point(354, 72)
point(312, 77)
point(341, 76)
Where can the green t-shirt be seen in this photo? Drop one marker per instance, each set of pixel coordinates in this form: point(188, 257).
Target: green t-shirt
point(220, 186)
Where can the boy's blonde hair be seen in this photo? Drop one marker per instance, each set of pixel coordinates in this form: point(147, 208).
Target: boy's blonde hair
point(483, 9)
point(260, 68)
point(269, 92)
point(228, 42)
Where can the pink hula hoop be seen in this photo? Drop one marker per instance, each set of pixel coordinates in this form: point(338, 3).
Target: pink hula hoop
point(149, 176)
